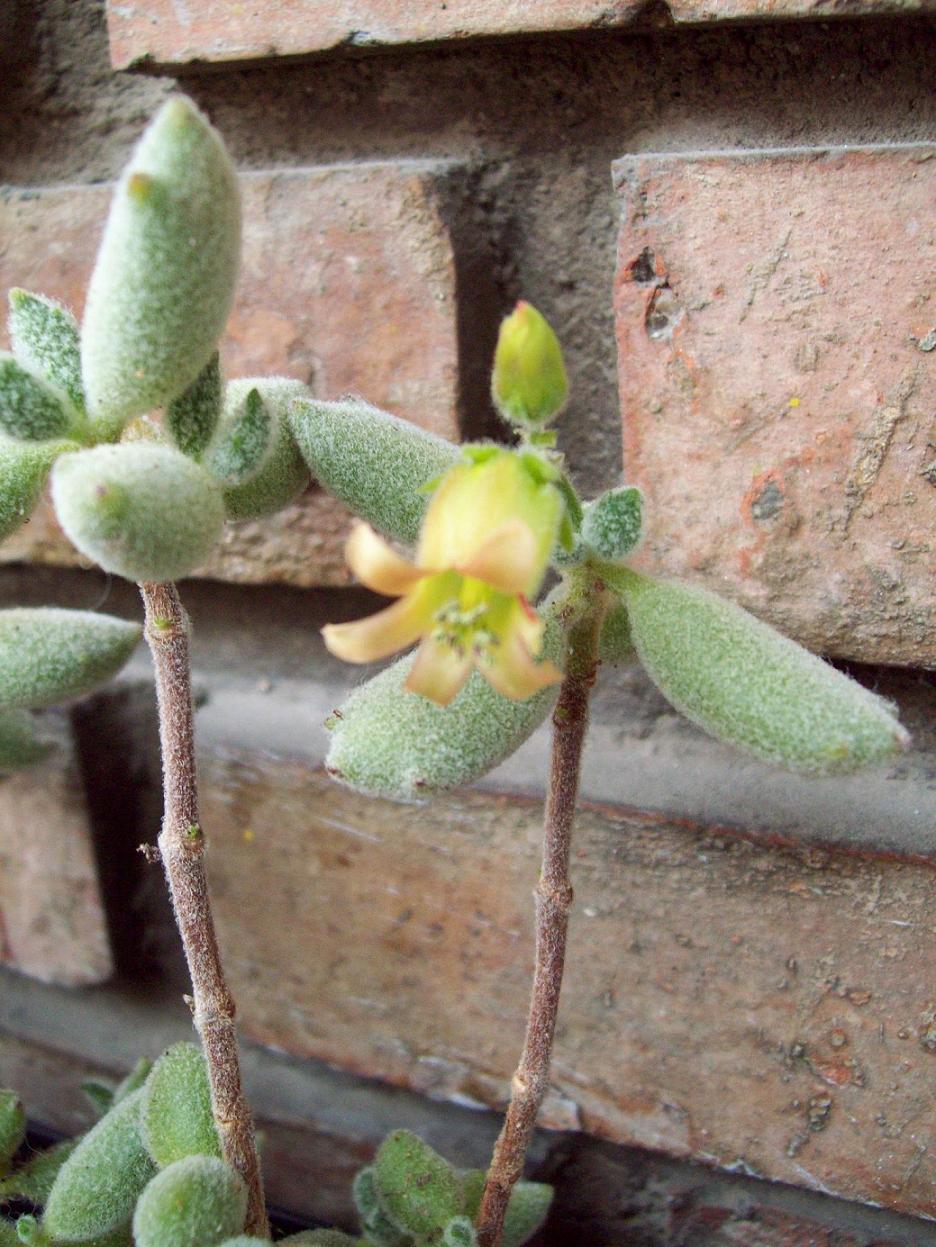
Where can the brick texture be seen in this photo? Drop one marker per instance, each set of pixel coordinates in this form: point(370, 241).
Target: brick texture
point(209, 30)
point(778, 384)
point(347, 283)
point(761, 1007)
point(52, 925)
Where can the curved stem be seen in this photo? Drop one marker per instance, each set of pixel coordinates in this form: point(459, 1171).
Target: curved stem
point(553, 897)
point(182, 847)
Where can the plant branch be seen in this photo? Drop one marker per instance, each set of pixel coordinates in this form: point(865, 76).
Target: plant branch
point(553, 898)
point(182, 846)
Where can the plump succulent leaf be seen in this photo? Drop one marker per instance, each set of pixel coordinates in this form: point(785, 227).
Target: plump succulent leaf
point(29, 408)
point(12, 1125)
point(526, 1211)
point(388, 742)
point(191, 417)
point(164, 278)
point(418, 1190)
point(45, 340)
point(744, 683)
point(136, 1078)
point(196, 1202)
point(49, 655)
point(20, 743)
point(375, 1223)
point(320, 1238)
point(373, 462)
point(176, 1112)
point(611, 524)
point(24, 470)
point(142, 511)
point(96, 1189)
point(264, 473)
point(34, 1178)
point(616, 645)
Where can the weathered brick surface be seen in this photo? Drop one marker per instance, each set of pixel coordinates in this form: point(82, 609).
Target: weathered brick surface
point(776, 329)
point(209, 30)
point(761, 1007)
point(347, 283)
point(52, 924)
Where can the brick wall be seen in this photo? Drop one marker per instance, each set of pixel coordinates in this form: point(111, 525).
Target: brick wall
point(726, 211)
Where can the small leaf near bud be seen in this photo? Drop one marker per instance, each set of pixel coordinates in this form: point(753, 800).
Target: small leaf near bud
point(33, 1180)
point(45, 340)
point(12, 1126)
point(24, 470)
point(375, 1223)
point(192, 416)
point(612, 523)
point(142, 511)
point(196, 1202)
point(375, 463)
point(459, 1233)
point(29, 408)
point(529, 384)
point(418, 1190)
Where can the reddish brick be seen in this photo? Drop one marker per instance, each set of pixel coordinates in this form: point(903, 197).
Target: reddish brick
point(209, 30)
point(775, 330)
point(347, 283)
point(752, 1006)
point(52, 925)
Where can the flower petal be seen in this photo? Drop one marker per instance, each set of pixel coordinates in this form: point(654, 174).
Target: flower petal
point(507, 559)
point(438, 672)
point(510, 668)
point(377, 564)
point(378, 636)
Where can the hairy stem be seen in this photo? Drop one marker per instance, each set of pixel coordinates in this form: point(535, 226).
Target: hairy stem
point(553, 897)
point(182, 846)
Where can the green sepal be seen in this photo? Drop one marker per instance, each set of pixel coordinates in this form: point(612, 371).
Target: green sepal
point(140, 510)
point(459, 1233)
point(20, 744)
point(388, 742)
point(24, 470)
point(376, 1225)
point(418, 1190)
point(196, 1202)
point(96, 1189)
point(746, 684)
point(275, 475)
point(136, 1078)
point(33, 1180)
point(99, 1095)
point(164, 278)
point(176, 1112)
point(12, 1126)
point(49, 655)
point(46, 340)
point(192, 416)
point(30, 410)
point(527, 1208)
point(612, 524)
point(373, 462)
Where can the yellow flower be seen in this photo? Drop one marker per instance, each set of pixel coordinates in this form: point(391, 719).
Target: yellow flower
point(483, 551)
point(529, 384)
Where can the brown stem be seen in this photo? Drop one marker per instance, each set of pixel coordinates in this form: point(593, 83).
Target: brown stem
point(553, 897)
point(182, 846)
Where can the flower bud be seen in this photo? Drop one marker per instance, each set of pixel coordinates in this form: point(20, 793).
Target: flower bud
point(529, 385)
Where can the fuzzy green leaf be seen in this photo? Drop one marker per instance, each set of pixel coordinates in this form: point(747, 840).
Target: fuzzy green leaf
point(176, 1114)
point(49, 655)
point(373, 462)
point(418, 1190)
point(319, 1238)
point(196, 1202)
point(526, 1211)
point(20, 744)
point(12, 1125)
point(616, 645)
point(8, 1235)
point(24, 470)
point(45, 340)
point(29, 408)
point(99, 1095)
point(142, 511)
point(136, 1078)
point(97, 1188)
point(192, 416)
point(376, 1225)
point(744, 683)
point(276, 474)
point(248, 1240)
point(33, 1180)
point(459, 1233)
point(612, 523)
point(164, 278)
point(388, 742)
